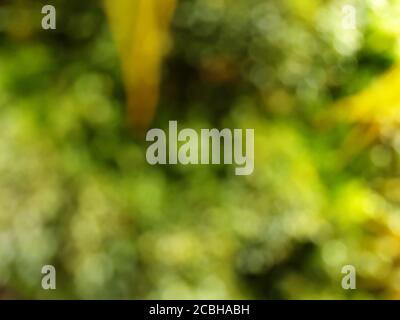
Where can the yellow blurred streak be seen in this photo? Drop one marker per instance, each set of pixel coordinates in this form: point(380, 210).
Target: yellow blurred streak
point(306, 10)
point(378, 104)
point(375, 110)
point(140, 29)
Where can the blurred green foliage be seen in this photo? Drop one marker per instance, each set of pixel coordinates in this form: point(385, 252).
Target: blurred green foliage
point(76, 191)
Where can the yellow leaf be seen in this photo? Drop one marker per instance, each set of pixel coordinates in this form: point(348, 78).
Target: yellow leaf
point(378, 104)
point(140, 29)
point(373, 111)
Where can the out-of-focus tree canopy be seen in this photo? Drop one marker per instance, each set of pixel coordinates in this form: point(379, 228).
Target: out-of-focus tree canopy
point(76, 190)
